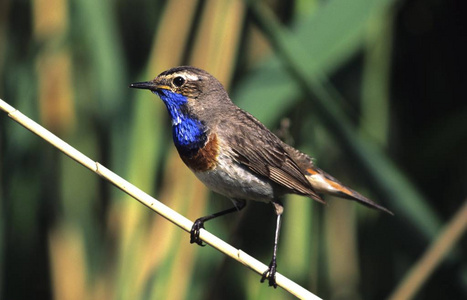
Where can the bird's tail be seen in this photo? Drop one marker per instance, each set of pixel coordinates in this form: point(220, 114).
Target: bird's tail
point(326, 184)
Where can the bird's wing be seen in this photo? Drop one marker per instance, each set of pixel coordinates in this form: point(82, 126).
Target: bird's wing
point(254, 146)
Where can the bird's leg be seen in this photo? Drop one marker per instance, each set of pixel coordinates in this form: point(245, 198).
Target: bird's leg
point(270, 273)
point(199, 223)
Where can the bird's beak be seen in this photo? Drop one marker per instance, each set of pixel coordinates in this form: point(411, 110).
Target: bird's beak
point(149, 85)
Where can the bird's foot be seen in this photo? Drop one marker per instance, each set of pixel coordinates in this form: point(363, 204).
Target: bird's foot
point(194, 232)
point(270, 274)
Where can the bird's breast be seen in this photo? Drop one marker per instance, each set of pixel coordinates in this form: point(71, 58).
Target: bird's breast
point(205, 158)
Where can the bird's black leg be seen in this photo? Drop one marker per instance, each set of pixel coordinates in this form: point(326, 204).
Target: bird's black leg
point(199, 223)
point(270, 273)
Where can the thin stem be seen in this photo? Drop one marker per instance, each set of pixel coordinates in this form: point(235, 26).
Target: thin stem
point(152, 203)
point(433, 256)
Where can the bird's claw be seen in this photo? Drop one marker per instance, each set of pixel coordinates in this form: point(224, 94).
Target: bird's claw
point(194, 233)
point(270, 274)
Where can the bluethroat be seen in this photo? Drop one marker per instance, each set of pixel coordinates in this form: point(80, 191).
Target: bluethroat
point(235, 155)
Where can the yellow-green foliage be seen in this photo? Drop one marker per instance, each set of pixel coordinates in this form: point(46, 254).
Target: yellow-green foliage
point(66, 234)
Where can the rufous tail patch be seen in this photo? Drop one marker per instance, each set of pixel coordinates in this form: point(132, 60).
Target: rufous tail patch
point(339, 187)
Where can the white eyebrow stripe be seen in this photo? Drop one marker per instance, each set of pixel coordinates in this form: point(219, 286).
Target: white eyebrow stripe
point(191, 77)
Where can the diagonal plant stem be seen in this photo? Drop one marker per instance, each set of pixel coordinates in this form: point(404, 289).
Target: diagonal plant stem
point(152, 203)
point(433, 256)
point(405, 199)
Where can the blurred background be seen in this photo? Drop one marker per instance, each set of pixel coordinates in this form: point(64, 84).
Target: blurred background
point(372, 89)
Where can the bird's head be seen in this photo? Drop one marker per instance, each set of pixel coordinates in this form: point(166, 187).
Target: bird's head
point(188, 90)
point(195, 101)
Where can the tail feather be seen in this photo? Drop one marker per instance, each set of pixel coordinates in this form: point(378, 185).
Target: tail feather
point(363, 200)
point(326, 184)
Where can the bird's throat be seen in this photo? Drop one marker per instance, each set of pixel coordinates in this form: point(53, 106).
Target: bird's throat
point(189, 134)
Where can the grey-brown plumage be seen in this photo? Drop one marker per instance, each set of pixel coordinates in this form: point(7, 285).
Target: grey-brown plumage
point(233, 153)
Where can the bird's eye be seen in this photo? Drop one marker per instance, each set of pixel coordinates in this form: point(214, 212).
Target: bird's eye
point(178, 81)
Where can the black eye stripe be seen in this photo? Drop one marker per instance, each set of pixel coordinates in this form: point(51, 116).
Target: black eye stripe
point(178, 81)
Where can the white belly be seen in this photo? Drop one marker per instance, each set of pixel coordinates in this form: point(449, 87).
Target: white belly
point(237, 182)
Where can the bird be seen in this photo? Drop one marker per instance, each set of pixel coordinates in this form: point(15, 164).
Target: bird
point(234, 154)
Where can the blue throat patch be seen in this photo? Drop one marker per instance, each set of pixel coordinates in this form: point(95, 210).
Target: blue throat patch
point(189, 133)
